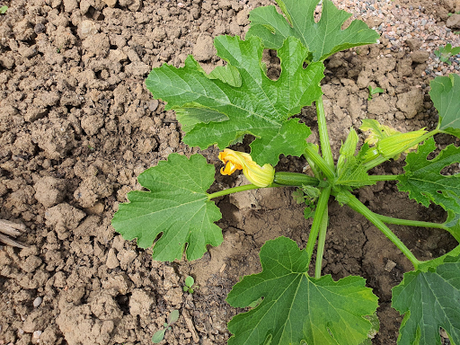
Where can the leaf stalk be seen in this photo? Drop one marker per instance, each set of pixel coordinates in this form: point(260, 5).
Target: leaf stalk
point(321, 209)
point(358, 206)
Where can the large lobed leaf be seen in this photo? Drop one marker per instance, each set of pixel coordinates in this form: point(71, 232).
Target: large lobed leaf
point(425, 183)
point(240, 99)
point(296, 307)
point(445, 93)
point(322, 39)
point(429, 300)
point(176, 206)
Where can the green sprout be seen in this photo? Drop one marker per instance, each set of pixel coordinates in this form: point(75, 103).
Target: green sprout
point(189, 281)
point(159, 335)
point(445, 53)
point(3, 9)
point(373, 91)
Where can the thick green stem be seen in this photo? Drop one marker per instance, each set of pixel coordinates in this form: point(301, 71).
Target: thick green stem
point(232, 190)
point(408, 222)
point(321, 243)
point(323, 134)
point(383, 177)
point(320, 162)
point(321, 208)
point(380, 159)
point(283, 178)
point(358, 206)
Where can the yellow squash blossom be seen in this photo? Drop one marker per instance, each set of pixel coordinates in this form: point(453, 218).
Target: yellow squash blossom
point(257, 175)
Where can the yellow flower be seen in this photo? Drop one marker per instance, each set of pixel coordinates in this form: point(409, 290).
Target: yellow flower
point(257, 175)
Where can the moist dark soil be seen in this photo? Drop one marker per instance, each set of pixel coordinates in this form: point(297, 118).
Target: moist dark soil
point(77, 125)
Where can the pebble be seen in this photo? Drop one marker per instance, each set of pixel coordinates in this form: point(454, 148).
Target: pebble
point(401, 23)
point(37, 302)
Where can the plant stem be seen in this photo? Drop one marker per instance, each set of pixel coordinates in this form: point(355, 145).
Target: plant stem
point(232, 190)
point(321, 208)
point(408, 222)
point(320, 162)
point(321, 243)
point(284, 178)
point(323, 134)
point(358, 206)
point(281, 179)
point(380, 159)
point(383, 177)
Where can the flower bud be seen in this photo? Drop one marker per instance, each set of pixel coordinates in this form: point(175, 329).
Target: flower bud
point(257, 175)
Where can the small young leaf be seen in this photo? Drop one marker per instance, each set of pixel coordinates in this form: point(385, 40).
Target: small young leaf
point(218, 111)
point(445, 93)
point(173, 316)
point(322, 39)
point(175, 206)
point(429, 300)
point(297, 307)
point(423, 179)
point(158, 336)
point(189, 281)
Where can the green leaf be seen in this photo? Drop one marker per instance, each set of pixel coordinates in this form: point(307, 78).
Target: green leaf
point(429, 300)
point(322, 39)
point(425, 183)
point(173, 317)
point(189, 281)
point(3, 9)
point(215, 111)
point(175, 206)
point(296, 307)
point(445, 93)
point(158, 336)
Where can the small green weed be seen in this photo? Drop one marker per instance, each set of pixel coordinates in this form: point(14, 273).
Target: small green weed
point(373, 91)
point(3, 9)
point(189, 281)
point(445, 53)
point(159, 335)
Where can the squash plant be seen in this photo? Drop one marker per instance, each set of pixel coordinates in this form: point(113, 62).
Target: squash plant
point(287, 305)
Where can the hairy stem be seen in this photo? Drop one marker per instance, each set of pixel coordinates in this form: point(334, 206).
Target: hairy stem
point(232, 190)
point(323, 134)
point(408, 222)
point(321, 208)
point(281, 179)
point(321, 243)
point(383, 177)
point(320, 162)
point(358, 206)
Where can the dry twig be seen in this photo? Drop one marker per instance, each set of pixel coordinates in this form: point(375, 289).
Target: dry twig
point(9, 229)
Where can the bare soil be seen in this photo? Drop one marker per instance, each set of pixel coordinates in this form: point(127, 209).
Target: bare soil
point(77, 126)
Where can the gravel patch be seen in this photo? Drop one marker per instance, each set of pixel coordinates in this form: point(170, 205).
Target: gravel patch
point(402, 25)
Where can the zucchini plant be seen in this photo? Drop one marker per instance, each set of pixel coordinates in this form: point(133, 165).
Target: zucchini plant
point(286, 304)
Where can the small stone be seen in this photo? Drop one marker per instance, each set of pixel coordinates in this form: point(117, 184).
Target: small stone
point(112, 260)
point(36, 335)
point(37, 302)
point(110, 3)
point(390, 265)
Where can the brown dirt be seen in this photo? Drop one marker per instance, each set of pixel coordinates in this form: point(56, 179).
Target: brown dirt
point(77, 126)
